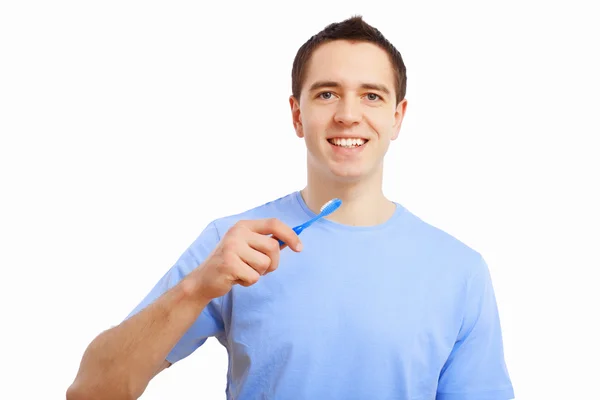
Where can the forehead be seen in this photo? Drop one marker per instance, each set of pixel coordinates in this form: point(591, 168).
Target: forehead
point(350, 64)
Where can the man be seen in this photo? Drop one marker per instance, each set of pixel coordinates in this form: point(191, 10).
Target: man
point(371, 302)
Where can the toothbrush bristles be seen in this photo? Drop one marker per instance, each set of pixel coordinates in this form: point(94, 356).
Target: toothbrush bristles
point(330, 206)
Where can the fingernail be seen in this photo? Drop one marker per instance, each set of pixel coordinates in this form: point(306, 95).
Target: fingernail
point(299, 247)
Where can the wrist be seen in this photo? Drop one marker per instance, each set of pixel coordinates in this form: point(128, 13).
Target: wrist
point(191, 289)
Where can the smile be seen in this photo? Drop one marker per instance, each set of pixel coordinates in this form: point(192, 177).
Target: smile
point(347, 142)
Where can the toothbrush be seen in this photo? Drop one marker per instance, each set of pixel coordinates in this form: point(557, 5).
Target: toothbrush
point(326, 209)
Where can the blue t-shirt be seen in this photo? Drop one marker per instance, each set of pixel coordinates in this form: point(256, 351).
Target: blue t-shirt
point(400, 310)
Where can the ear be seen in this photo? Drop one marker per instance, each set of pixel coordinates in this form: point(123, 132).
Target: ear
point(296, 117)
point(398, 117)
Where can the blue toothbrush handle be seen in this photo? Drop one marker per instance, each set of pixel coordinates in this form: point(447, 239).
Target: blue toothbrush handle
point(296, 229)
point(327, 209)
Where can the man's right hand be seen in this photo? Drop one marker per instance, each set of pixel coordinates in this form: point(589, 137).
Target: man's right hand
point(247, 251)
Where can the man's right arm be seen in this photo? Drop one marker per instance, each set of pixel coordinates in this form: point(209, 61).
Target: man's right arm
point(120, 362)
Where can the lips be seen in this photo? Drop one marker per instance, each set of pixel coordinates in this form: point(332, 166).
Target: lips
point(347, 142)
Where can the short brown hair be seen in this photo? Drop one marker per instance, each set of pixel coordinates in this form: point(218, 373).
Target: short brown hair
point(354, 29)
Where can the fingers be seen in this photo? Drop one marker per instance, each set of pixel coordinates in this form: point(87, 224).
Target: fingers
point(265, 251)
point(254, 248)
point(275, 227)
point(261, 253)
point(246, 276)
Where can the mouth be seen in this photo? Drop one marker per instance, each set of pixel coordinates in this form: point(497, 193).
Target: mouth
point(348, 143)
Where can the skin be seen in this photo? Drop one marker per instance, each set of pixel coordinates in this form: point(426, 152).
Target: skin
point(120, 362)
point(348, 91)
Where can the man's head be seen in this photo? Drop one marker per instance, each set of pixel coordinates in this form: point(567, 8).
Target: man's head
point(348, 82)
point(352, 29)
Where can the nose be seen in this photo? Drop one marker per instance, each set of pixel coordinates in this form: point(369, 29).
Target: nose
point(348, 112)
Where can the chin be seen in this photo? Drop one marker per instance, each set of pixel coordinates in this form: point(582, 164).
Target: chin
point(347, 174)
point(344, 172)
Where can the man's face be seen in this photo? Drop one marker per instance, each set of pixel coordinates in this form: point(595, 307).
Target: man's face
point(347, 112)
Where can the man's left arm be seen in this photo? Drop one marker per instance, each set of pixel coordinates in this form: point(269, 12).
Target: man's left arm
point(476, 369)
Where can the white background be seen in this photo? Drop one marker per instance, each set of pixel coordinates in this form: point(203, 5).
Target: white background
point(127, 126)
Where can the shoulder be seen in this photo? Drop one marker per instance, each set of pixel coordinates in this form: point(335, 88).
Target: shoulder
point(440, 247)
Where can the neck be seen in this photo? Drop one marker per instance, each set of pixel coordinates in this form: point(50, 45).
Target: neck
point(363, 202)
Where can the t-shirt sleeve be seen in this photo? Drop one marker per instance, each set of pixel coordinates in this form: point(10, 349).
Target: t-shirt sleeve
point(209, 322)
point(476, 368)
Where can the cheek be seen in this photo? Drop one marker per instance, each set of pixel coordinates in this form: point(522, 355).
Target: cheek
point(312, 140)
point(381, 120)
point(315, 118)
point(314, 127)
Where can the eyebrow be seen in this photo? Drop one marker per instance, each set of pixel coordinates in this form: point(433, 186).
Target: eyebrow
point(326, 84)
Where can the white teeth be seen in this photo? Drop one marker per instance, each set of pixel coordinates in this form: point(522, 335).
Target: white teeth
point(350, 142)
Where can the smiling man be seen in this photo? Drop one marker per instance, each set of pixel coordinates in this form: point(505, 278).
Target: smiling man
point(371, 303)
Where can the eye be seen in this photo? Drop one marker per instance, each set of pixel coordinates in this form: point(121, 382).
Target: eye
point(373, 96)
point(325, 95)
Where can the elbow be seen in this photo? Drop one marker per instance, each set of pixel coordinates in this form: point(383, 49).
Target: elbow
point(79, 391)
point(76, 392)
